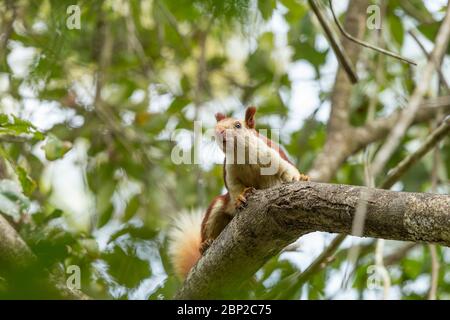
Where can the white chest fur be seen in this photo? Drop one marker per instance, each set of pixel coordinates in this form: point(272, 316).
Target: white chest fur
point(251, 175)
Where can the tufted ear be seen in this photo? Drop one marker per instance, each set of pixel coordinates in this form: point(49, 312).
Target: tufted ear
point(220, 116)
point(250, 117)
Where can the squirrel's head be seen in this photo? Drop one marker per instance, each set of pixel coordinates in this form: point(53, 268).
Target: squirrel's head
point(233, 130)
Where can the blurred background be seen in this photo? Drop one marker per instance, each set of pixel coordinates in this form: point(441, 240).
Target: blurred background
point(94, 96)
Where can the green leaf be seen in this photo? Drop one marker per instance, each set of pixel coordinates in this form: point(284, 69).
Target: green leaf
point(14, 126)
point(55, 148)
point(28, 184)
point(126, 267)
point(396, 29)
point(297, 10)
point(132, 207)
point(43, 217)
point(105, 216)
point(266, 8)
point(105, 208)
point(12, 201)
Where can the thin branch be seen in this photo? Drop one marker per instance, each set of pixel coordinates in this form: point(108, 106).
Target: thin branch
point(292, 283)
point(136, 45)
point(427, 54)
point(381, 269)
point(399, 254)
point(340, 53)
point(437, 135)
point(408, 114)
point(434, 272)
point(421, 16)
point(365, 44)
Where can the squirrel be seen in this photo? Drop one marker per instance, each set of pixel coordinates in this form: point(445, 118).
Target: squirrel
point(252, 161)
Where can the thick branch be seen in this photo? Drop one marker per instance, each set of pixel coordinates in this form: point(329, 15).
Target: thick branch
point(278, 216)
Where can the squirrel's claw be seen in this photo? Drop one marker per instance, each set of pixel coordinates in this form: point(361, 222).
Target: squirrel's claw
point(304, 177)
point(289, 176)
point(241, 201)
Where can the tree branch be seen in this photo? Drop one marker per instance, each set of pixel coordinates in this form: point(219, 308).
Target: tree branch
point(438, 134)
point(275, 217)
point(427, 54)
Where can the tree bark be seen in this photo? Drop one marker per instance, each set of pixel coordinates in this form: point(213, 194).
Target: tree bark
point(277, 216)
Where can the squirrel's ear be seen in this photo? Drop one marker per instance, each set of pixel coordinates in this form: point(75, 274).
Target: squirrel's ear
point(250, 117)
point(220, 116)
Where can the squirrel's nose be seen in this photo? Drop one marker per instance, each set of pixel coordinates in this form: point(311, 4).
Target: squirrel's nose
point(220, 131)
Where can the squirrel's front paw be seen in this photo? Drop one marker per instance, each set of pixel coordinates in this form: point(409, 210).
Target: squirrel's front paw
point(293, 175)
point(303, 177)
point(290, 175)
point(241, 200)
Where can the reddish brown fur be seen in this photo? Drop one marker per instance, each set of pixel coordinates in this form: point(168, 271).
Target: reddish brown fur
point(206, 233)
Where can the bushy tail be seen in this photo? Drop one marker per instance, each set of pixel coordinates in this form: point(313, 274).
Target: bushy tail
point(184, 242)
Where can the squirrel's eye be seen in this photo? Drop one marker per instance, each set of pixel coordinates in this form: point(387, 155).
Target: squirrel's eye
point(237, 125)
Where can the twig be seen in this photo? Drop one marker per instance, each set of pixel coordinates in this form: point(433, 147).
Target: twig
point(381, 269)
point(398, 255)
point(421, 16)
point(434, 272)
point(341, 55)
point(134, 41)
point(437, 135)
point(293, 282)
point(427, 54)
point(173, 23)
point(388, 260)
point(365, 44)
